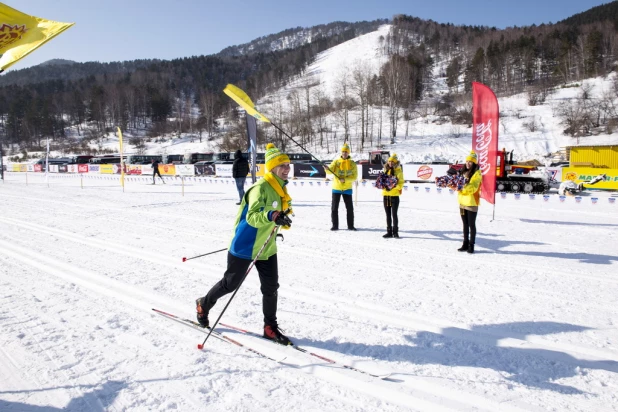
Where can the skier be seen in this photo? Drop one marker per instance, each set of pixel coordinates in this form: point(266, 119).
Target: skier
point(469, 198)
point(155, 171)
point(240, 169)
point(262, 208)
point(391, 196)
point(345, 173)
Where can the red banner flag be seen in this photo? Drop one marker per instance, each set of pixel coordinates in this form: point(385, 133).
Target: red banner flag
point(485, 118)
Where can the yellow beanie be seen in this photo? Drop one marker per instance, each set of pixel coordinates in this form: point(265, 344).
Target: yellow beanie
point(274, 157)
point(393, 158)
point(345, 148)
point(472, 158)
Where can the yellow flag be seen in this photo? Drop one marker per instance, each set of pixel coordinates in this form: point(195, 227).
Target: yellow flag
point(244, 101)
point(20, 34)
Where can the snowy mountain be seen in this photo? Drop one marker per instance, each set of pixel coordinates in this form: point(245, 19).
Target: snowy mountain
point(532, 132)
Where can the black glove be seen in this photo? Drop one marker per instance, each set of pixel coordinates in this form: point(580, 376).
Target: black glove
point(283, 220)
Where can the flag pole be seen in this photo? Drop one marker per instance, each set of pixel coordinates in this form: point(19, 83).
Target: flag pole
point(121, 159)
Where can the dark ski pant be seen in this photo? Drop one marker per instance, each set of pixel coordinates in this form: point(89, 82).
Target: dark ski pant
point(391, 206)
point(240, 186)
point(334, 212)
point(233, 276)
point(156, 172)
point(469, 225)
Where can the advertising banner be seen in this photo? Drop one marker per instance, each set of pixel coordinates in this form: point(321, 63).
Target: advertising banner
point(82, 168)
point(309, 170)
point(204, 170)
point(423, 172)
point(372, 171)
point(63, 168)
point(38, 168)
point(185, 170)
point(107, 169)
point(134, 169)
point(53, 169)
point(259, 170)
point(485, 119)
point(223, 170)
point(167, 170)
point(71, 168)
point(584, 174)
point(94, 168)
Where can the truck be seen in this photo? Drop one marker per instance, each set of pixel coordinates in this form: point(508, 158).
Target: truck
point(516, 178)
point(376, 157)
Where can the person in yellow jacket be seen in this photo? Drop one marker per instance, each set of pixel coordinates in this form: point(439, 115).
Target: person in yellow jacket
point(469, 198)
point(391, 197)
point(345, 173)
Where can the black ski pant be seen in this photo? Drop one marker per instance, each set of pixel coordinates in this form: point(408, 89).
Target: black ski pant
point(234, 275)
point(391, 206)
point(334, 211)
point(469, 225)
point(156, 172)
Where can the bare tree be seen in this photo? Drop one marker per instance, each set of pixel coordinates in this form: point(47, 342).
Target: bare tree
point(395, 74)
point(361, 75)
point(344, 100)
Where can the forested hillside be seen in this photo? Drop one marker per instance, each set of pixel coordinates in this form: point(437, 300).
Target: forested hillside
point(151, 98)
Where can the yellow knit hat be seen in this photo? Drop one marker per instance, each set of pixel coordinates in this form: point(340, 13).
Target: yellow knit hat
point(345, 148)
point(472, 158)
point(274, 157)
point(393, 158)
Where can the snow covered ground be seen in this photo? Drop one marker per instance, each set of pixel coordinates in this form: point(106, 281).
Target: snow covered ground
point(529, 322)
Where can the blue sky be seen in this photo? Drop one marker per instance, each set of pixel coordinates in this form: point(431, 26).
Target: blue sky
point(117, 30)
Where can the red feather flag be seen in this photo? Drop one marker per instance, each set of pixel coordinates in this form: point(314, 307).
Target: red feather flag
point(485, 118)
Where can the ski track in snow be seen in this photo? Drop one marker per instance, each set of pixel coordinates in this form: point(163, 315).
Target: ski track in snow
point(84, 268)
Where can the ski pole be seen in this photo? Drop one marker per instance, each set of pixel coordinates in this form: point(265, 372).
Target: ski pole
point(184, 259)
point(301, 146)
point(201, 346)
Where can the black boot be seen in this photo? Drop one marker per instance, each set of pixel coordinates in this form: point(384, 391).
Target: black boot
point(464, 247)
point(396, 232)
point(471, 248)
point(389, 233)
point(202, 314)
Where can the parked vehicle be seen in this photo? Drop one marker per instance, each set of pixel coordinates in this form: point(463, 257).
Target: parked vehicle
point(173, 159)
point(79, 159)
point(192, 158)
point(143, 159)
point(105, 159)
point(376, 157)
point(52, 161)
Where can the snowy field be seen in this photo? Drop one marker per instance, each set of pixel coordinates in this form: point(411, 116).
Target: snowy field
point(528, 323)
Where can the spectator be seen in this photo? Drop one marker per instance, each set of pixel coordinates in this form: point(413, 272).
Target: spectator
point(240, 170)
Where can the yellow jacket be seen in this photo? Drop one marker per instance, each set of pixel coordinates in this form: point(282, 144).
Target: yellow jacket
point(345, 169)
point(470, 194)
point(395, 191)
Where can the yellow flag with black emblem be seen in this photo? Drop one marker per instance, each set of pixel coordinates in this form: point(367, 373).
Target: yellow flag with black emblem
point(21, 34)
